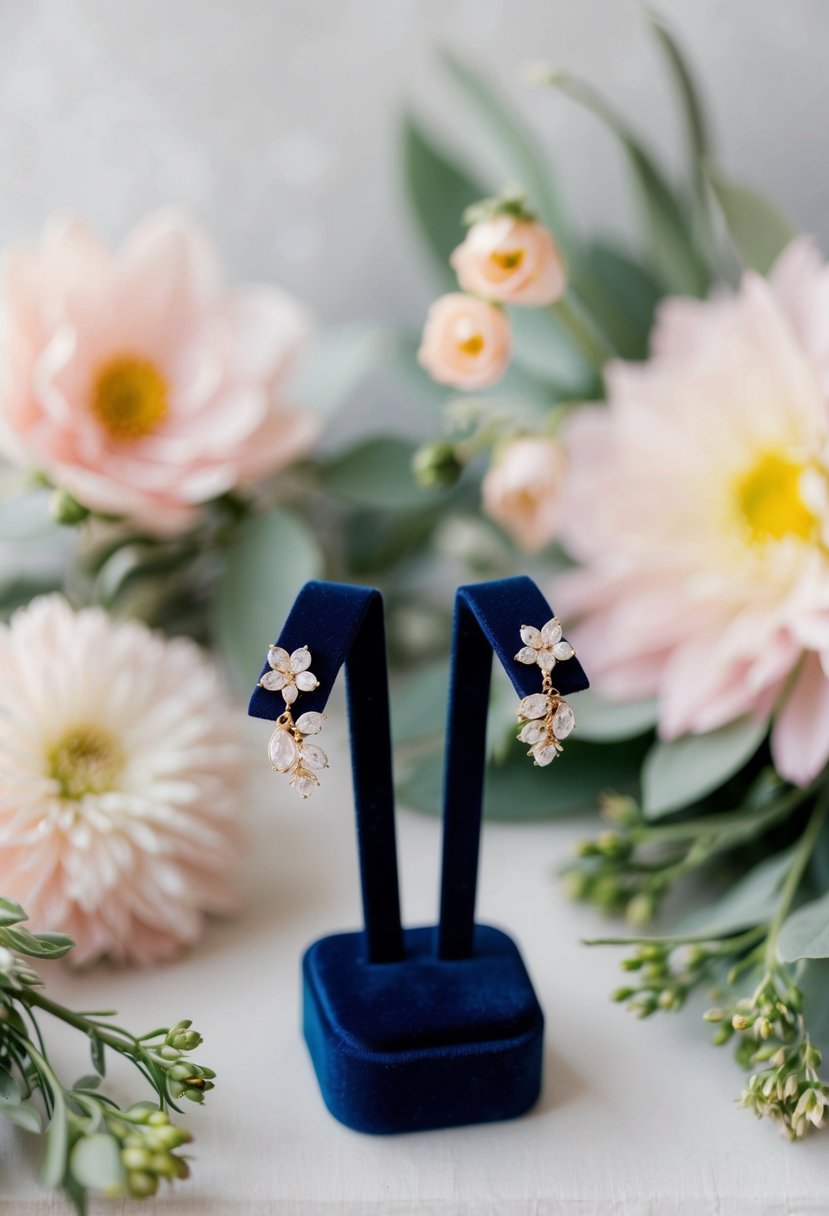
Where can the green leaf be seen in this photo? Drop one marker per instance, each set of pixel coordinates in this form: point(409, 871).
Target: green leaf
point(509, 144)
point(669, 244)
point(23, 1115)
point(439, 192)
point(544, 352)
point(600, 721)
point(696, 126)
point(338, 358)
point(272, 556)
point(96, 1163)
point(91, 1081)
point(623, 295)
point(805, 934)
point(11, 913)
point(681, 772)
point(96, 1052)
point(750, 902)
point(53, 1166)
point(10, 1094)
point(37, 945)
point(377, 473)
point(757, 228)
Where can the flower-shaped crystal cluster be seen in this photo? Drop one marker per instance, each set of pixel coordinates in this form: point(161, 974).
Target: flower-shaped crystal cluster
point(289, 673)
point(546, 715)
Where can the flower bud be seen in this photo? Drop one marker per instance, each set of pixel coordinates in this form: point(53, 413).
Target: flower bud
point(136, 1158)
point(466, 342)
point(436, 465)
point(622, 994)
point(640, 909)
point(142, 1184)
point(67, 510)
point(510, 258)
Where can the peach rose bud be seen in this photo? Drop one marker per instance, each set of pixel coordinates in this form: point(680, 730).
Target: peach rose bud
point(510, 259)
point(522, 490)
point(466, 342)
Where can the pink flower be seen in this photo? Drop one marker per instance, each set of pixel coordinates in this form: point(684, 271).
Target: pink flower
point(121, 776)
point(137, 381)
point(698, 504)
point(466, 342)
point(511, 260)
point(522, 490)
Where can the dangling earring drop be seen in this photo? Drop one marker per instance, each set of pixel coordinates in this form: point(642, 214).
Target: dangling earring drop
point(290, 750)
point(547, 717)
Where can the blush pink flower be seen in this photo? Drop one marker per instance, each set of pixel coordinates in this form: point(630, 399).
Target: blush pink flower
point(512, 260)
point(697, 502)
point(136, 380)
point(466, 342)
point(121, 777)
point(522, 490)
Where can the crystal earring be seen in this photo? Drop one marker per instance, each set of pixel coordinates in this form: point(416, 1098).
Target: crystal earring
point(546, 715)
point(290, 750)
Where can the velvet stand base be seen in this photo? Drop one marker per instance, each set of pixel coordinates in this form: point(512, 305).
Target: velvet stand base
point(424, 1042)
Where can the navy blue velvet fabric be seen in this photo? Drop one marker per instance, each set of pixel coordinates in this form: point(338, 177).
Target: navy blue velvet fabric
point(488, 617)
point(427, 1027)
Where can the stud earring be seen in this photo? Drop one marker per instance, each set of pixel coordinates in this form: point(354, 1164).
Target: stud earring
point(546, 715)
point(290, 750)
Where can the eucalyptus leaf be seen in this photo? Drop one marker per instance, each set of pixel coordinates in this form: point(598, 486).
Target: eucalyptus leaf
point(439, 192)
point(10, 1094)
point(377, 473)
point(544, 352)
point(90, 1081)
point(601, 721)
point(36, 945)
point(337, 359)
point(273, 555)
point(96, 1163)
point(805, 933)
point(510, 145)
point(757, 228)
point(23, 1115)
point(53, 1166)
point(681, 772)
point(748, 903)
point(96, 1053)
point(623, 295)
point(11, 913)
point(696, 125)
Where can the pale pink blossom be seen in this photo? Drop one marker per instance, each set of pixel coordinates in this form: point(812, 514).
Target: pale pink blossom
point(697, 502)
point(121, 779)
point(522, 490)
point(136, 380)
point(510, 260)
point(466, 342)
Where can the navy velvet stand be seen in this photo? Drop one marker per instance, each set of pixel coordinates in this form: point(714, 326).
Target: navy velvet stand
point(428, 1027)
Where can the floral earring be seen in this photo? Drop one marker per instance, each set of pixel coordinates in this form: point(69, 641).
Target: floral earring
point(290, 750)
point(547, 717)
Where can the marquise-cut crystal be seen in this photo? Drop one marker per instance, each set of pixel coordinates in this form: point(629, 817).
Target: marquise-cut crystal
point(544, 754)
point(279, 658)
point(273, 680)
point(531, 636)
point(546, 659)
point(564, 720)
point(289, 694)
point(551, 632)
point(563, 650)
point(306, 681)
point(534, 706)
point(527, 655)
point(310, 723)
point(301, 659)
point(314, 756)
point(305, 784)
point(533, 732)
point(282, 750)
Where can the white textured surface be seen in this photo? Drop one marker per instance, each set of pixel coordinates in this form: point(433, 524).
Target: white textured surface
point(635, 1119)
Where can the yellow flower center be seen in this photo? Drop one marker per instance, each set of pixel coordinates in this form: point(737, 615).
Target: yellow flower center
point(473, 345)
point(129, 397)
point(507, 259)
point(86, 760)
point(770, 501)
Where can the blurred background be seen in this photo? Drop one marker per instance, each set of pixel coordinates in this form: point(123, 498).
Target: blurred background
point(279, 123)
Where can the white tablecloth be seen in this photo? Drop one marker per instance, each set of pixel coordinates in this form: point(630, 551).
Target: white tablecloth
point(635, 1118)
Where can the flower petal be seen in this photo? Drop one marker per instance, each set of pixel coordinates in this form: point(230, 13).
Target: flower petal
point(563, 650)
point(306, 681)
point(800, 737)
point(546, 659)
point(527, 655)
point(551, 632)
point(531, 636)
point(301, 659)
point(289, 693)
point(278, 658)
point(273, 680)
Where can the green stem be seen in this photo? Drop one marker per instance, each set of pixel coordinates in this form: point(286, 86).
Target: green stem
point(735, 823)
point(574, 320)
point(125, 1045)
point(800, 860)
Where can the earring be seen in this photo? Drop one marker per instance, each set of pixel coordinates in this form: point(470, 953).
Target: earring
point(547, 716)
point(290, 750)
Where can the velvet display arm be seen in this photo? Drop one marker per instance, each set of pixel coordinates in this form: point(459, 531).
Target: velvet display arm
point(488, 617)
point(340, 624)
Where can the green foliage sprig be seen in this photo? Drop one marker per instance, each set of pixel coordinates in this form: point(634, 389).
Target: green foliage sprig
point(91, 1144)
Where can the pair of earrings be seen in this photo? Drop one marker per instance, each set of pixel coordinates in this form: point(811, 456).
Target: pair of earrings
point(545, 716)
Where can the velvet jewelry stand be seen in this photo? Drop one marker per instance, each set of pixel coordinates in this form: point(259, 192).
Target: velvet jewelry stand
point(429, 1027)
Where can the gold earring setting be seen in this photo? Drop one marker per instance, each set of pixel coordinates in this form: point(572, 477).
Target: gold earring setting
point(546, 716)
point(290, 749)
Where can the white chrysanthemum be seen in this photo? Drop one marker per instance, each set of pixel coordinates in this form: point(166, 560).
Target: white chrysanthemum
point(120, 781)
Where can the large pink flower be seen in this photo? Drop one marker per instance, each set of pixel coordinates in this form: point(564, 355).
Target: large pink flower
point(698, 504)
point(136, 380)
